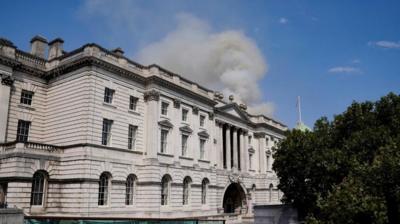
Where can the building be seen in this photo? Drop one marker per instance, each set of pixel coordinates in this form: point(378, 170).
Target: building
point(90, 133)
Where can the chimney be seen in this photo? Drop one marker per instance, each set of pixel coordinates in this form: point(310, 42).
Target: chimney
point(55, 48)
point(38, 46)
point(118, 51)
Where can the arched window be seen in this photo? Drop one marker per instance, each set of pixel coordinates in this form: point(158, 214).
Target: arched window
point(130, 189)
point(165, 189)
point(39, 185)
point(271, 186)
point(204, 189)
point(186, 190)
point(104, 186)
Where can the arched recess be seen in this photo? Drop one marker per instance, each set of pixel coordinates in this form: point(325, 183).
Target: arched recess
point(234, 200)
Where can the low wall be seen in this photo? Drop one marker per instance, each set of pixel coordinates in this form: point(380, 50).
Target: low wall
point(11, 216)
point(275, 214)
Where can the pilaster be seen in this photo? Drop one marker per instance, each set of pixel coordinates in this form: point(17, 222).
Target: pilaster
point(152, 142)
point(228, 147)
point(235, 149)
point(5, 92)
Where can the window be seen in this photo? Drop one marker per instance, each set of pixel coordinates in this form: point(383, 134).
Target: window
point(202, 119)
point(23, 130)
point(106, 134)
point(204, 188)
point(38, 188)
point(202, 152)
point(250, 138)
point(26, 97)
point(165, 185)
point(130, 189)
point(186, 190)
point(133, 103)
point(108, 95)
point(268, 162)
point(184, 144)
point(131, 136)
point(104, 185)
point(184, 114)
point(164, 136)
point(250, 161)
point(266, 142)
point(271, 186)
point(164, 108)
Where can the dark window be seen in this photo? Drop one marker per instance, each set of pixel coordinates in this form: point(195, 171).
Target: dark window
point(184, 114)
point(106, 133)
point(184, 144)
point(103, 189)
point(165, 185)
point(108, 95)
point(204, 188)
point(186, 190)
point(202, 119)
point(23, 130)
point(164, 136)
point(26, 97)
point(38, 188)
point(164, 108)
point(202, 149)
point(132, 103)
point(130, 189)
point(131, 136)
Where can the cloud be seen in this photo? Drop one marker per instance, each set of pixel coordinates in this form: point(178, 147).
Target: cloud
point(283, 20)
point(228, 61)
point(385, 44)
point(345, 69)
point(356, 61)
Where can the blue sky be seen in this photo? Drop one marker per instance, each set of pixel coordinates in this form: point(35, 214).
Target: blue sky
point(328, 52)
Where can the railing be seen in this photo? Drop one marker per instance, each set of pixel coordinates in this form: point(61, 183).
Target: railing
point(119, 221)
point(32, 145)
point(23, 56)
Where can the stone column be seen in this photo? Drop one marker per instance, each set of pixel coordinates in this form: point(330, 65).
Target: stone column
point(261, 152)
point(5, 91)
point(235, 149)
point(220, 146)
point(228, 147)
point(244, 152)
point(152, 133)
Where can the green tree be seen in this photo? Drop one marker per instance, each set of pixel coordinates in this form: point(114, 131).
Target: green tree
point(346, 170)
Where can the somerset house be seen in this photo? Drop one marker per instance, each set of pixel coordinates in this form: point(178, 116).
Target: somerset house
point(90, 133)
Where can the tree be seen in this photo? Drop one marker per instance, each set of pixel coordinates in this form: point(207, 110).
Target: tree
point(346, 170)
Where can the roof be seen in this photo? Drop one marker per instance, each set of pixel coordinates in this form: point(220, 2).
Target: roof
point(302, 127)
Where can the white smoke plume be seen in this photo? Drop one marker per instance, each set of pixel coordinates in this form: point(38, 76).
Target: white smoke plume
point(228, 61)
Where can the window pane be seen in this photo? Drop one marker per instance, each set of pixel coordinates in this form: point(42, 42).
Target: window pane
point(106, 133)
point(202, 118)
point(103, 190)
point(202, 152)
point(108, 95)
point(164, 108)
point(131, 136)
point(26, 97)
point(184, 114)
point(129, 190)
point(164, 135)
point(184, 144)
point(23, 130)
point(133, 103)
point(38, 188)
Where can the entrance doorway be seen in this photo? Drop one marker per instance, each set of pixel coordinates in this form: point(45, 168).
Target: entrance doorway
point(234, 199)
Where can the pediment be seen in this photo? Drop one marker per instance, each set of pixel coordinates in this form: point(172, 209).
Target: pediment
point(186, 129)
point(203, 134)
point(234, 110)
point(166, 124)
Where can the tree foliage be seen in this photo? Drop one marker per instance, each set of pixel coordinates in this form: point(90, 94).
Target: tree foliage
point(346, 170)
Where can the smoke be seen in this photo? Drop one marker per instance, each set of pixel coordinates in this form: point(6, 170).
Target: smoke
point(228, 61)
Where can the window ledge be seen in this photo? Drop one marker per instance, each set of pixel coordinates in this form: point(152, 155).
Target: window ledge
point(109, 105)
point(164, 154)
point(133, 112)
point(184, 157)
point(204, 161)
point(25, 106)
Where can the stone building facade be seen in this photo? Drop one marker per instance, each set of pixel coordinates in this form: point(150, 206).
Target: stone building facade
point(90, 133)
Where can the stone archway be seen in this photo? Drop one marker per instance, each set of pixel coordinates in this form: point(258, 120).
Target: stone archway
point(234, 199)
